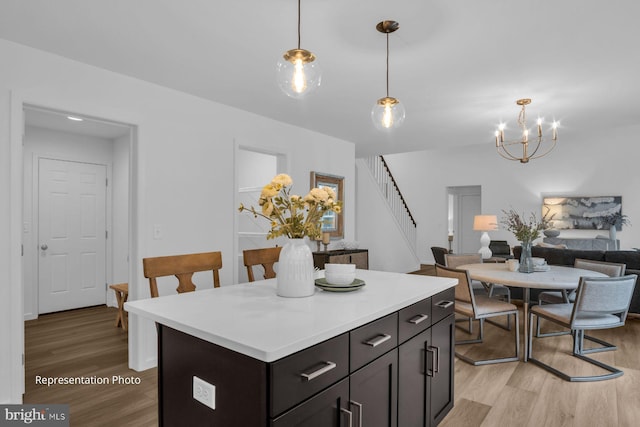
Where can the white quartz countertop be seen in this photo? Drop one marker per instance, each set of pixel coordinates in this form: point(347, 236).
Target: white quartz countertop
point(251, 319)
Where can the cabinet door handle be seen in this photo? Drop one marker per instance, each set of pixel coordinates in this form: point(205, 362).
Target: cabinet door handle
point(418, 319)
point(435, 366)
point(445, 304)
point(349, 414)
point(374, 342)
point(315, 374)
point(431, 350)
point(359, 406)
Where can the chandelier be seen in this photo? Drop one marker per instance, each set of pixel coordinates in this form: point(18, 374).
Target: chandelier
point(532, 147)
point(298, 70)
point(387, 112)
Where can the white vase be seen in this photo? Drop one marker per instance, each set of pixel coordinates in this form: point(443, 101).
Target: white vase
point(295, 278)
point(612, 235)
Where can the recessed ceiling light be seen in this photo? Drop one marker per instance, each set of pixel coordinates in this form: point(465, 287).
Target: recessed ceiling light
point(75, 119)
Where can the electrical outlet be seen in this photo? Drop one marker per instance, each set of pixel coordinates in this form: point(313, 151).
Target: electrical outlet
point(204, 392)
point(157, 232)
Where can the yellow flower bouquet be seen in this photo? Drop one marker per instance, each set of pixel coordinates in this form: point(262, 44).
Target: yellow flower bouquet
point(291, 215)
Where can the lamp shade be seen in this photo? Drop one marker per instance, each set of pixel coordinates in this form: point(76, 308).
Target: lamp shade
point(485, 222)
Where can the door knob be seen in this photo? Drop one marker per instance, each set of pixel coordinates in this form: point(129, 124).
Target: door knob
point(44, 247)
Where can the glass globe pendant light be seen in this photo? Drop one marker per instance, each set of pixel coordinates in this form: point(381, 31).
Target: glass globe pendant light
point(298, 71)
point(388, 112)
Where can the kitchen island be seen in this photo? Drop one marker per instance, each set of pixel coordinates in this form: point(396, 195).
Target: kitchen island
point(303, 361)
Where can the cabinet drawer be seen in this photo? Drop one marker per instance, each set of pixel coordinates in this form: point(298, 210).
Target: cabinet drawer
point(322, 410)
point(373, 340)
point(301, 375)
point(414, 319)
point(442, 304)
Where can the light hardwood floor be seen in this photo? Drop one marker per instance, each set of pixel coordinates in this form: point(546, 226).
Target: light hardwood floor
point(86, 343)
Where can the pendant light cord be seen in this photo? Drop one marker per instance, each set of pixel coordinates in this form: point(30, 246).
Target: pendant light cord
point(387, 64)
point(298, 24)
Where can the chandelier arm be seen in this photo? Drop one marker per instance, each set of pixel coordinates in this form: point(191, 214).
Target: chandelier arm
point(505, 153)
point(551, 147)
point(532, 156)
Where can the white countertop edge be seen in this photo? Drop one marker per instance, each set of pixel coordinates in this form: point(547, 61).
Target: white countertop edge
point(141, 308)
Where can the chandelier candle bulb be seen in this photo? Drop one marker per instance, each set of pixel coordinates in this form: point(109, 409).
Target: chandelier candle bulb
point(539, 128)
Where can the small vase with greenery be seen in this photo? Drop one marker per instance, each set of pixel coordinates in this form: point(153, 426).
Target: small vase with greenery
point(526, 231)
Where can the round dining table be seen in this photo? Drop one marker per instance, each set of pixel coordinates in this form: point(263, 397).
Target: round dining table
point(552, 277)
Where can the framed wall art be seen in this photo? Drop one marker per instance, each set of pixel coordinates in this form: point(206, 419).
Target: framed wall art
point(331, 222)
point(582, 213)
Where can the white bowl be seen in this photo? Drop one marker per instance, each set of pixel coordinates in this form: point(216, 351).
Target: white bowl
point(340, 274)
point(538, 261)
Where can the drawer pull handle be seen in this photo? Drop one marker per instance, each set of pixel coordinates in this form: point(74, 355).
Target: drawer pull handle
point(374, 342)
point(445, 304)
point(350, 414)
point(315, 374)
point(418, 319)
point(359, 406)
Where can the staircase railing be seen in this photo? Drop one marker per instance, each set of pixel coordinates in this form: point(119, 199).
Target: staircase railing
point(392, 194)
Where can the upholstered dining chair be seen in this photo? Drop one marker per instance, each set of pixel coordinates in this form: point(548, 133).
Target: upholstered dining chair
point(182, 267)
point(266, 257)
point(600, 303)
point(611, 269)
point(438, 254)
point(479, 307)
point(479, 288)
point(456, 260)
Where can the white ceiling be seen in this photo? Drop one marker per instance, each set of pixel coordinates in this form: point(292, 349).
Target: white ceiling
point(457, 65)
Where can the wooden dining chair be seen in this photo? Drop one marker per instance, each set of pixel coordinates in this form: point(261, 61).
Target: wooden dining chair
point(266, 257)
point(182, 267)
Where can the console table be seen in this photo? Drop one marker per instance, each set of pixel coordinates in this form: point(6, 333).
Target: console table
point(379, 356)
point(586, 244)
point(359, 257)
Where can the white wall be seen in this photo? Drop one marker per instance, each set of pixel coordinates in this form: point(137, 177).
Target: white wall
point(40, 142)
point(183, 179)
point(378, 230)
point(607, 164)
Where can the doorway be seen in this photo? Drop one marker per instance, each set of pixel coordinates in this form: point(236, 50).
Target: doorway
point(464, 203)
point(254, 169)
point(75, 227)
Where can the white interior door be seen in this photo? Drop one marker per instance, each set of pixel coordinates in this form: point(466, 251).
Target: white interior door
point(71, 234)
point(469, 208)
point(466, 203)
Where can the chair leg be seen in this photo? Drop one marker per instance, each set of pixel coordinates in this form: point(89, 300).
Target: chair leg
point(506, 327)
point(469, 329)
point(550, 334)
point(479, 340)
point(578, 351)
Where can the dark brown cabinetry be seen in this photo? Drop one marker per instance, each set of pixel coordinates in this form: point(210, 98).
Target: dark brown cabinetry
point(394, 371)
point(359, 257)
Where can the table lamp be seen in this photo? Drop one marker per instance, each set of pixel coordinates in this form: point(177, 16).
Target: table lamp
point(485, 223)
